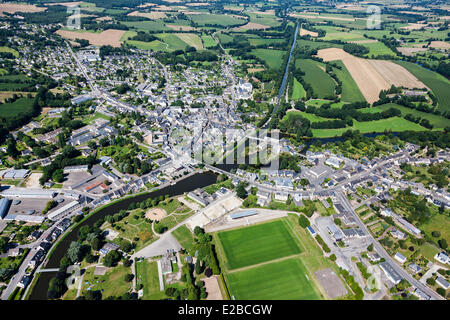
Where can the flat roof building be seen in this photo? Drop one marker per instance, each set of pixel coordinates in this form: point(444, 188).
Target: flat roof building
point(55, 215)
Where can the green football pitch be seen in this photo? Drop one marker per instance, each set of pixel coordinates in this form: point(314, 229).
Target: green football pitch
point(283, 280)
point(255, 244)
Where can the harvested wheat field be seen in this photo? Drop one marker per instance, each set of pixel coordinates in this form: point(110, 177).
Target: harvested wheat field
point(372, 76)
point(14, 7)
point(252, 26)
point(155, 214)
point(304, 32)
point(440, 45)
point(151, 15)
point(108, 37)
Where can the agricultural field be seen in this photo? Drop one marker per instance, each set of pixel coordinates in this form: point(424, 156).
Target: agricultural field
point(191, 39)
point(302, 43)
point(224, 38)
point(437, 83)
point(264, 19)
point(273, 58)
point(108, 37)
point(298, 91)
point(286, 274)
point(184, 237)
point(350, 90)
point(395, 124)
point(435, 120)
point(153, 25)
point(112, 283)
point(173, 41)
point(155, 45)
point(147, 275)
point(208, 41)
point(256, 244)
point(10, 50)
point(323, 85)
point(378, 49)
point(287, 281)
point(310, 116)
point(264, 41)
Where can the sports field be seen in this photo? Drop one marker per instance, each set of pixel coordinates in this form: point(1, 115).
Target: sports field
point(283, 280)
point(437, 83)
point(255, 244)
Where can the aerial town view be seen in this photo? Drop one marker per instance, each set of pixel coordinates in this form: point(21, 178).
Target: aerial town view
point(224, 150)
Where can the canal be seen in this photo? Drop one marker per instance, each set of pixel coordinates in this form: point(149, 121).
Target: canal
point(198, 180)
